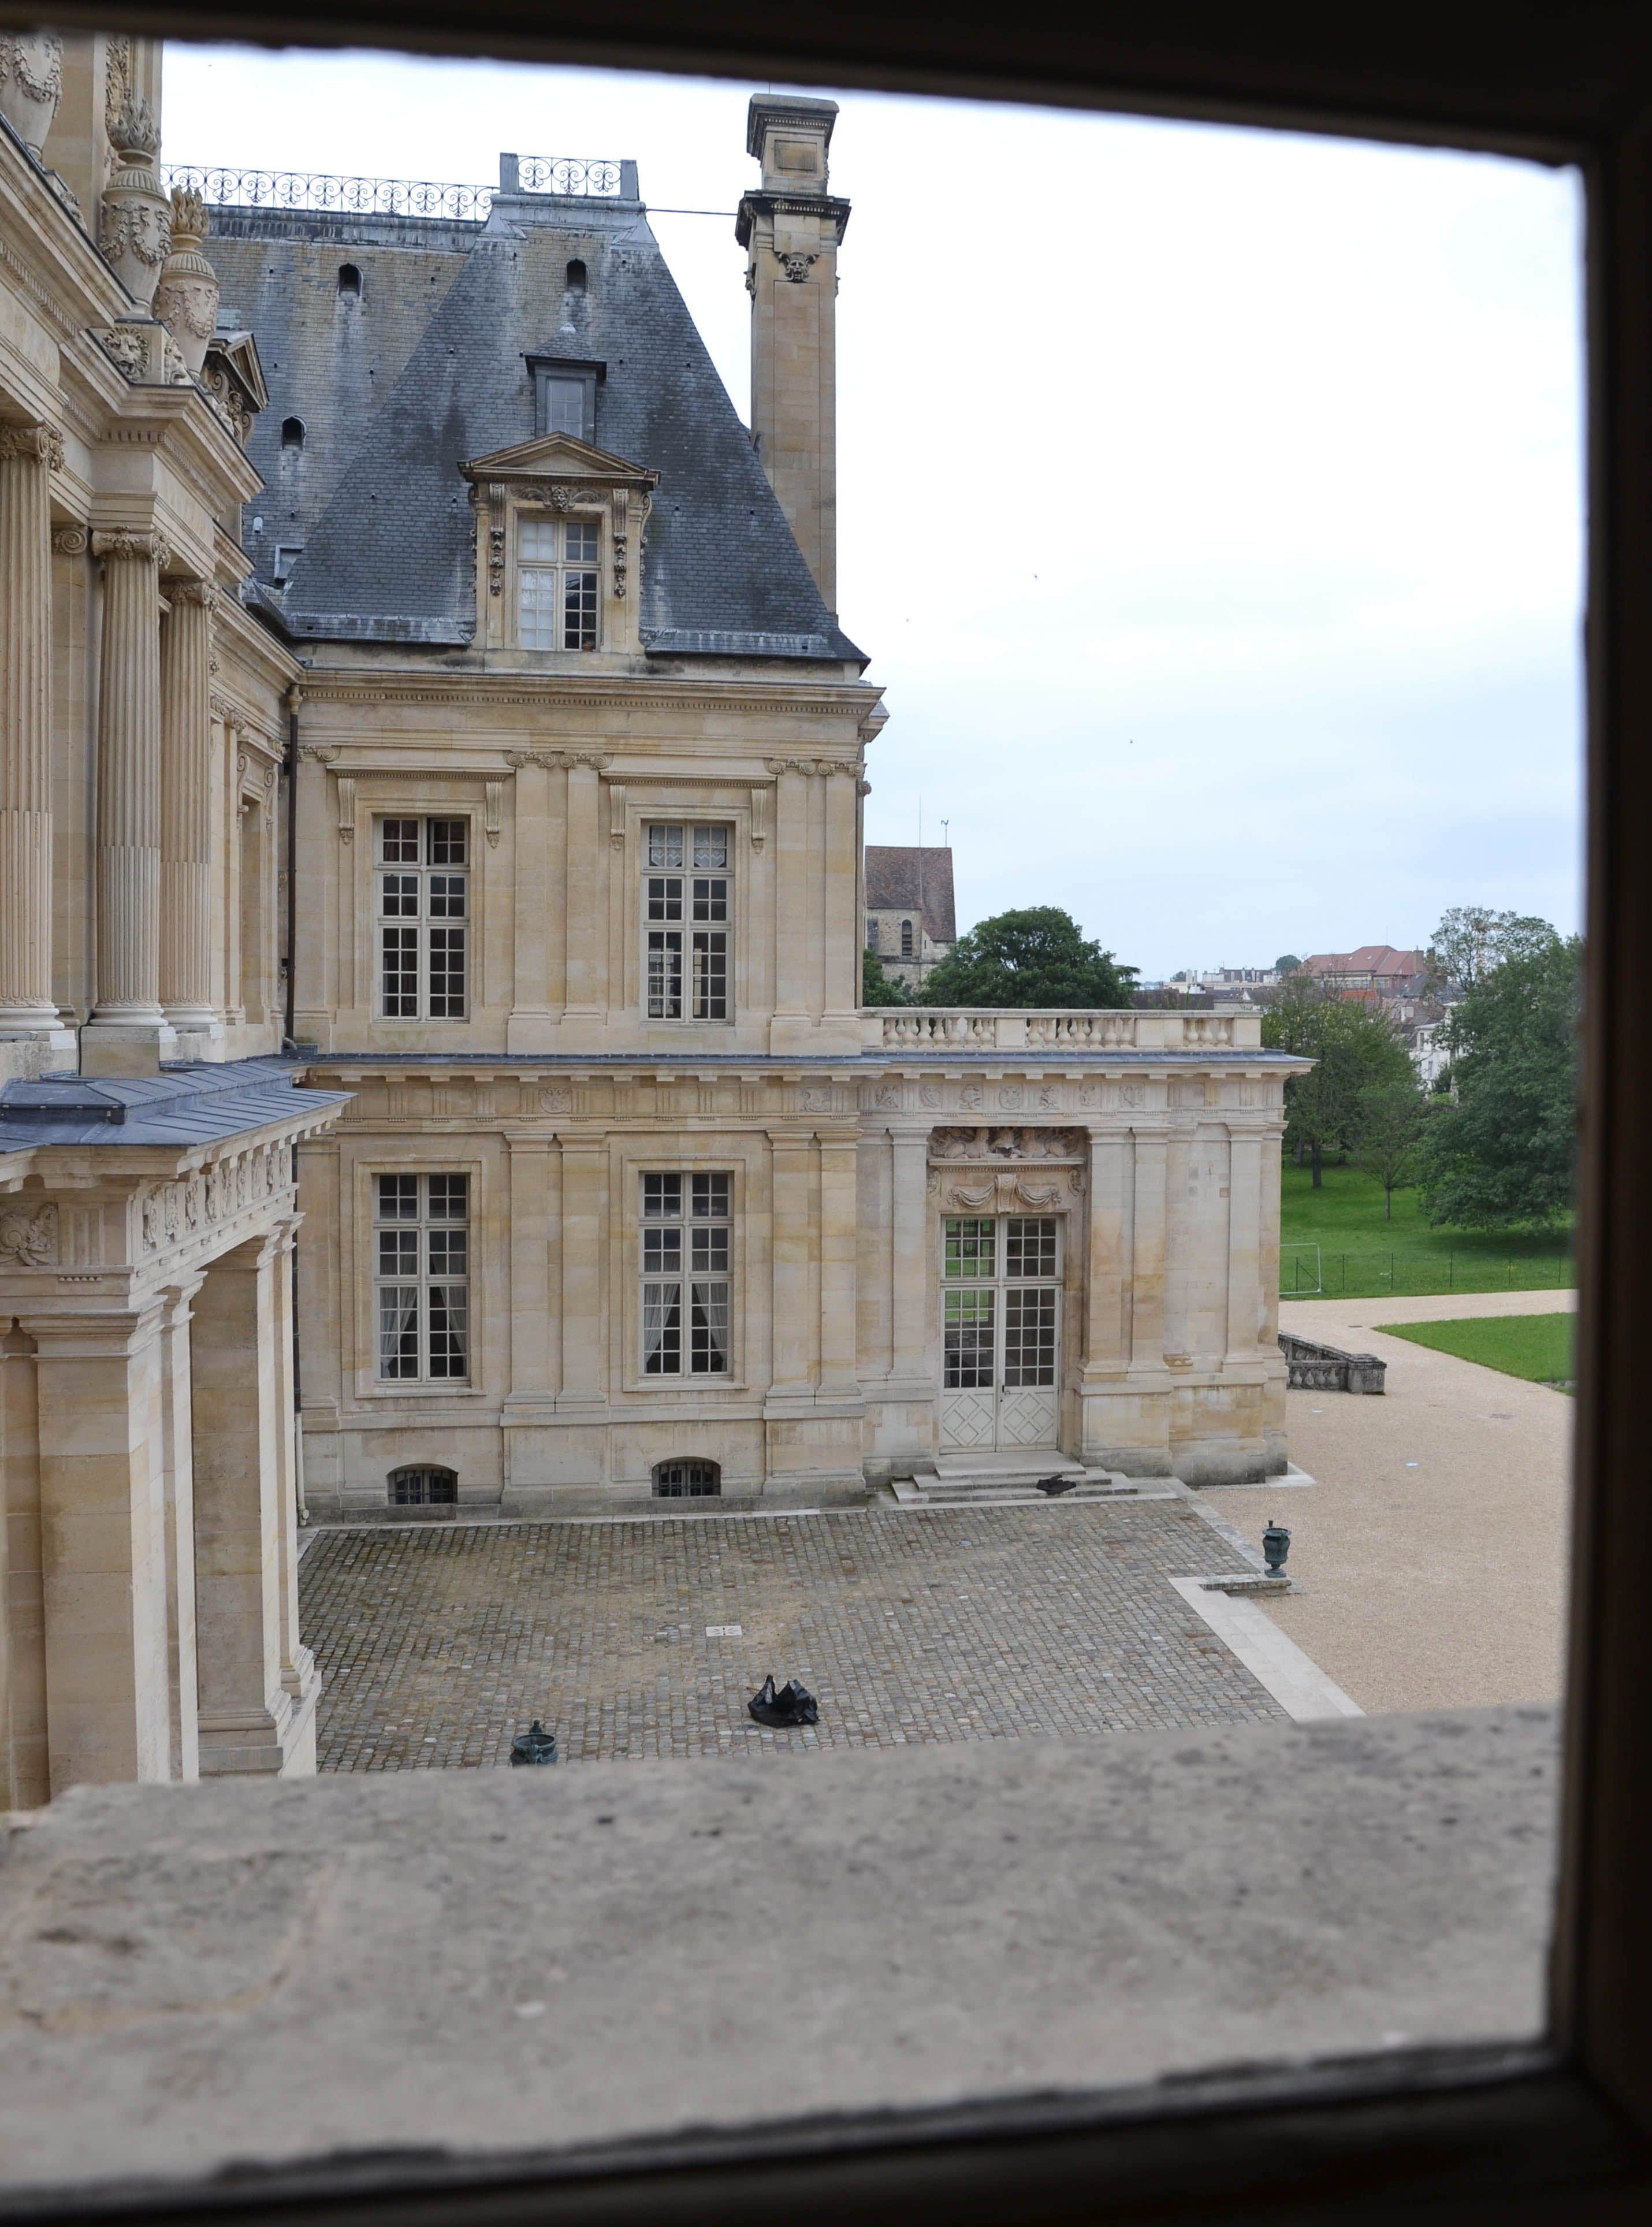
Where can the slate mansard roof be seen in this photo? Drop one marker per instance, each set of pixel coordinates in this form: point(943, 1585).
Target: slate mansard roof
point(428, 367)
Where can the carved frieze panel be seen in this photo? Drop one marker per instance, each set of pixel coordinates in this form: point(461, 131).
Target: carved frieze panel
point(981, 1189)
point(1018, 1143)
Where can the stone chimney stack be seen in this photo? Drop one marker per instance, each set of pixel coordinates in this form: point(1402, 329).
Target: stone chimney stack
point(790, 229)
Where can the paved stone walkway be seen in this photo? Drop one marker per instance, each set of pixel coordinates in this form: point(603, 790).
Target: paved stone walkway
point(437, 1645)
point(1432, 1552)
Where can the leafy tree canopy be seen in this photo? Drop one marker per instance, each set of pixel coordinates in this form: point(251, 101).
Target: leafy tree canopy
point(1354, 1049)
point(1388, 1123)
point(1287, 964)
point(1038, 956)
point(878, 988)
point(1499, 1155)
point(1472, 940)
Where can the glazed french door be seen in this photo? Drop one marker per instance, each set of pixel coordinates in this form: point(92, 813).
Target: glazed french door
point(1000, 1310)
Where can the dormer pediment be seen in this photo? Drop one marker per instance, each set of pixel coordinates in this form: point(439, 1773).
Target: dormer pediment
point(558, 460)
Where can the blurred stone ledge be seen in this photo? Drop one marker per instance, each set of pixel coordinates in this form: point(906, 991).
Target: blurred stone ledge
point(471, 1963)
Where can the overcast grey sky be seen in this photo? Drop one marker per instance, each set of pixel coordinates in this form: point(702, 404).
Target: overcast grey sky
point(1210, 501)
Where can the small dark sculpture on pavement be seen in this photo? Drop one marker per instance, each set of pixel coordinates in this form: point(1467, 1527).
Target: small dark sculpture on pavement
point(793, 1705)
point(1276, 1545)
point(1050, 1486)
point(534, 1745)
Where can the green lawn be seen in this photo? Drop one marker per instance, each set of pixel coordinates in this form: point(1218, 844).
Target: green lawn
point(1540, 1347)
point(1367, 1257)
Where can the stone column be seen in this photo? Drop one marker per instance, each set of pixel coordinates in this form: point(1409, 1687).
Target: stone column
point(790, 1029)
point(186, 810)
point(793, 1253)
point(584, 1196)
point(839, 1375)
point(845, 929)
point(128, 1033)
point(587, 919)
point(1106, 1319)
point(103, 1546)
point(1147, 1252)
point(177, 1463)
point(247, 1717)
point(27, 454)
point(300, 1678)
point(1244, 1244)
point(913, 1265)
point(531, 1316)
point(529, 1028)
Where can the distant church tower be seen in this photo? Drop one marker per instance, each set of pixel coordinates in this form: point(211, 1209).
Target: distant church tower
point(790, 230)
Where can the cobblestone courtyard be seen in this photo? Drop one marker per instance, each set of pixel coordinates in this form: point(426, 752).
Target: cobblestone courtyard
point(439, 1644)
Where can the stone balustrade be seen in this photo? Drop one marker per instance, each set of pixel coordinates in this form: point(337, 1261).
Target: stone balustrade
point(980, 1029)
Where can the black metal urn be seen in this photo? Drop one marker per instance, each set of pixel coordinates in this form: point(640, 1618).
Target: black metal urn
point(1276, 1545)
point(534, 1745)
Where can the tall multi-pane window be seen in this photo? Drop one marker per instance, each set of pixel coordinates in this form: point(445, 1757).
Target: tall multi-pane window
point(424, 918)
point(688, 903)
point(421, 1238)
point(556, 583)
point(686, 1243)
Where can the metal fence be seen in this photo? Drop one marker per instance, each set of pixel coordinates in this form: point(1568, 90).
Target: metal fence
point(228, 187)
point(1312, 1272)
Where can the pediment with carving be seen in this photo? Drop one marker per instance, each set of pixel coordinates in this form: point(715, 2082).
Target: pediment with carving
point(558, 460)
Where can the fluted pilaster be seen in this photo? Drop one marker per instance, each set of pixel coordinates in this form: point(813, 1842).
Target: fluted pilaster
point(129, 779)
point(27, 454)
point(186, 806)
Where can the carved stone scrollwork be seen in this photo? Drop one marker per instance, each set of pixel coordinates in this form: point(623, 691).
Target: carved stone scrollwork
point(28, 1236)
point(320, 753)
point(123, 547)
point(496, 560)
point(71, 540)
point(44, 444)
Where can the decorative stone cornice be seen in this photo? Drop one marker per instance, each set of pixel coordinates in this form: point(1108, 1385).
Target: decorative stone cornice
point(554, 759)
point(38, 443)
point(124, 547)
point(824, 767)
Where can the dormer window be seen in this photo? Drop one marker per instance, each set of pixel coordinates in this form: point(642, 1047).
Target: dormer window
point(556, 578)
point(564, 394)
point(293, 432)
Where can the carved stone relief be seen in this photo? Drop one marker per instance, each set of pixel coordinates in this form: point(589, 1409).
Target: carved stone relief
point(1016, 1143)
point(28, 1236)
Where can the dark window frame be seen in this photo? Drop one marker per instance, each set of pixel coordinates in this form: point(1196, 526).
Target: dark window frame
point(1559, 2132)
point(575, 371)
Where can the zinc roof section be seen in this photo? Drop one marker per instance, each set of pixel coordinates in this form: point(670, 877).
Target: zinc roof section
point(182, 1106)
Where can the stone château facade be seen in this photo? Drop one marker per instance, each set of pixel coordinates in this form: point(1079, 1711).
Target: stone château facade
point(438, 563)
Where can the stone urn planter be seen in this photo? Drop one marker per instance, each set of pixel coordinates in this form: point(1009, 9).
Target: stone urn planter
point(137, 227)
point(186, 300)
point(31, 82)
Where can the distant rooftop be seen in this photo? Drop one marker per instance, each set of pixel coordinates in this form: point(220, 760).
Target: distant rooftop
point(901, 876)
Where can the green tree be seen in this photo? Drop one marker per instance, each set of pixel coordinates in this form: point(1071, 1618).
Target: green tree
point(1499, 1154)
point(1287, 964)
point(1472, 941)
point(1035, 957)
point(878, 988)
point(1354, 1049)
point(1387, 1128)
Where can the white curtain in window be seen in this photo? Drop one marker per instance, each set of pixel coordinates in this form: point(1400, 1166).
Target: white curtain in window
point(658, 1307)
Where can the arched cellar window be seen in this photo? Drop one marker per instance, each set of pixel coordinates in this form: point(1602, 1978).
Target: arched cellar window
point(349, 281)
point(687, 1480)
point(424, 1488)
point(576, 277)
point(905, 938)
point(293, 432)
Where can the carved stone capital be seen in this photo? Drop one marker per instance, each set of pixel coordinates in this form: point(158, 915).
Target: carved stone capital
point(71, 540)
point(32, 444)
point(319, 753)
point(123, 547)
point(193, 591)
